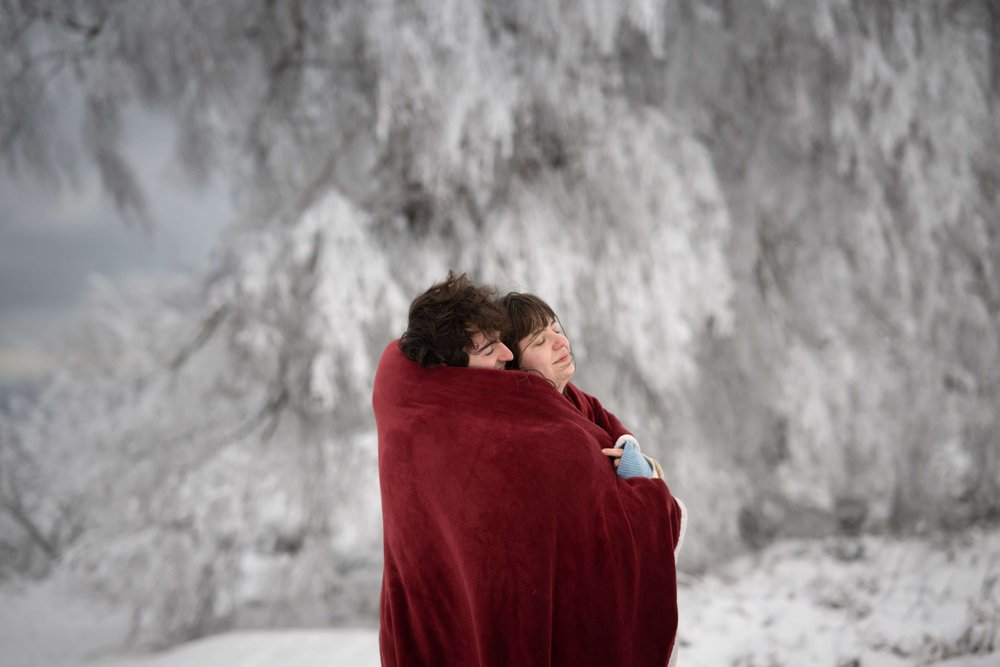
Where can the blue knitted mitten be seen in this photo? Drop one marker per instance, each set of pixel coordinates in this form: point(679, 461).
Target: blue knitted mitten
point(633, 463)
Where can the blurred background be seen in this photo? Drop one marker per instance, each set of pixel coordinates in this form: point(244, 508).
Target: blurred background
point(771, 229)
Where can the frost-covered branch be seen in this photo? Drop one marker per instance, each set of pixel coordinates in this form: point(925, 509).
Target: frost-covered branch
point(205, 332)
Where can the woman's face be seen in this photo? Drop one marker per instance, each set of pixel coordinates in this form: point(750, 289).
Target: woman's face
point(546, 352)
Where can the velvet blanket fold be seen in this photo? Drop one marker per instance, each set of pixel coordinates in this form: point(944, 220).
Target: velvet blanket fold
point(509, 540)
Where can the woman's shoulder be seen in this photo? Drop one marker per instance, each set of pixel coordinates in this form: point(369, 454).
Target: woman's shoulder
point(594, 411)
point(583, 401)
point(579, 396)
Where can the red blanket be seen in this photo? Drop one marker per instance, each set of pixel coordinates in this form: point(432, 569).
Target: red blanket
point(509, 540)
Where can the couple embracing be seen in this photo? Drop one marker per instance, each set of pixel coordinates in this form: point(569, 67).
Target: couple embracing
point(522, 524)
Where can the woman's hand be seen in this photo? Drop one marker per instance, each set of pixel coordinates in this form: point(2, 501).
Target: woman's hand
point(614, 454)
point(630, 462)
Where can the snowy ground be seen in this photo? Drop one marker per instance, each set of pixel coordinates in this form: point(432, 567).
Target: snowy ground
point(869, 603)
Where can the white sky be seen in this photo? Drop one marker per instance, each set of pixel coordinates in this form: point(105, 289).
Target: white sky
point(53, 243)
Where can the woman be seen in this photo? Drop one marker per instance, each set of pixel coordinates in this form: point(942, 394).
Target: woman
point(535, 337)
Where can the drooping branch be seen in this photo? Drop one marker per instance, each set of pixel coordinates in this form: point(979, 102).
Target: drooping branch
point(205, 331)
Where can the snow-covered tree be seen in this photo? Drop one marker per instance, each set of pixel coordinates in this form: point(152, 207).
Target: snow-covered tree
point(770, 228)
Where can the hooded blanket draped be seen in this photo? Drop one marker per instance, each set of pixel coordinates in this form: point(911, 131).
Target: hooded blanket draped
point(509, 540)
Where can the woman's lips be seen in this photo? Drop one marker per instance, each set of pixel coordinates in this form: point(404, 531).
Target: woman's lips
point(563, 359)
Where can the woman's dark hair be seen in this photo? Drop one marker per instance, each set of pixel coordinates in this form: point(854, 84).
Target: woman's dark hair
point(526, 314)
point(443, 320)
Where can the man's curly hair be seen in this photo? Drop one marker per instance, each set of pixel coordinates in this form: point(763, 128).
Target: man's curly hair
point(444, 319)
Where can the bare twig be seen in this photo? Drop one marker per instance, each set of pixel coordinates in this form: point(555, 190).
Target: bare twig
point(12, 504)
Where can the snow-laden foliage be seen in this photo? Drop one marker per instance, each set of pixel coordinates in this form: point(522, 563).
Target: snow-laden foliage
point(211, 470)
point(770, 228)
point(873, 189)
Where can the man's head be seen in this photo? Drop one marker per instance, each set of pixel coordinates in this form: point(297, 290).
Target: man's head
point(456, 323)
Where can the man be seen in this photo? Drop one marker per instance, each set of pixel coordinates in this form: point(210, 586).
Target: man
point(456, 323)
